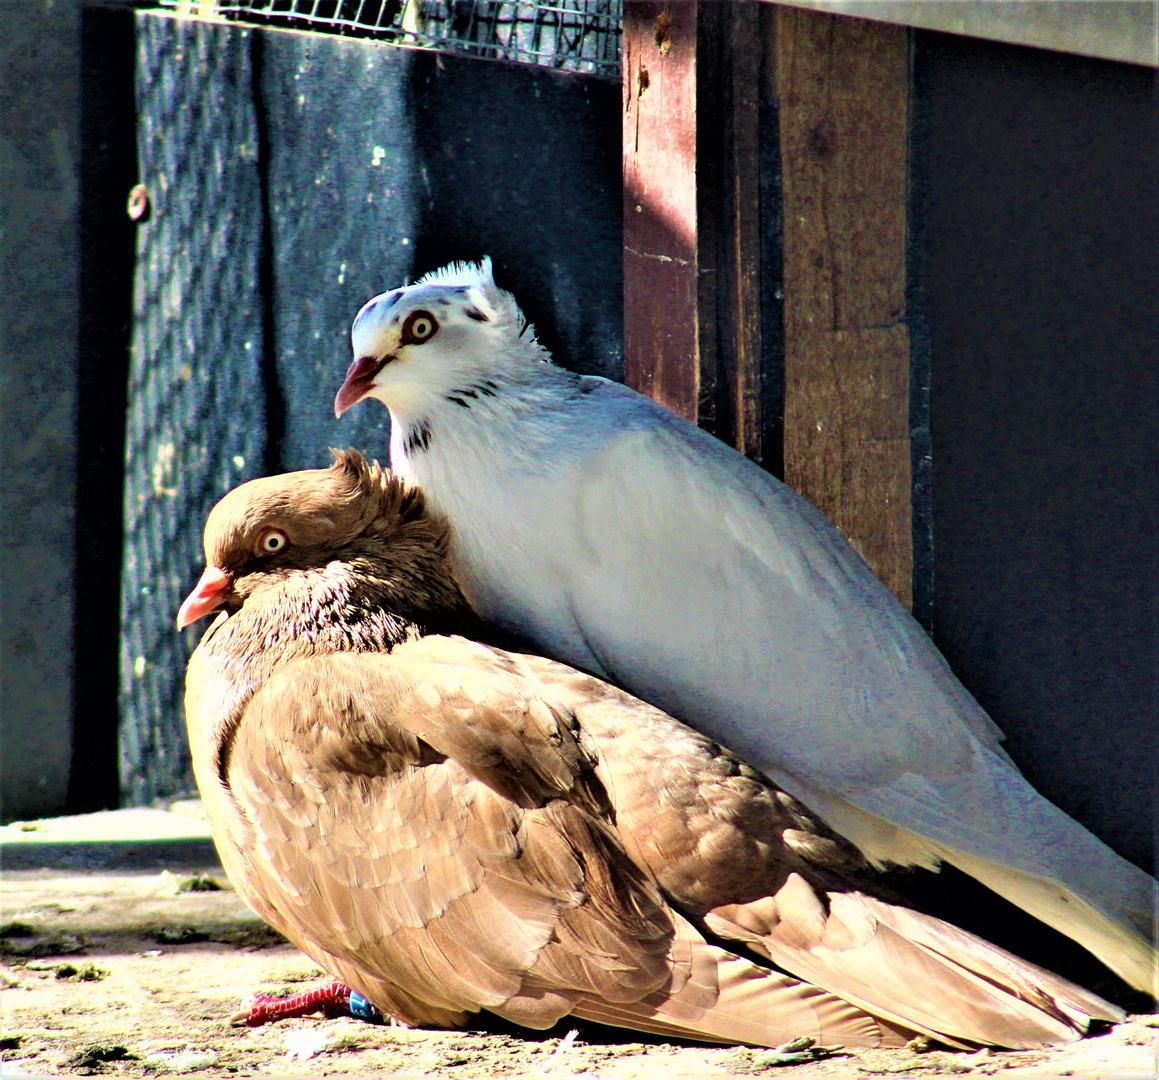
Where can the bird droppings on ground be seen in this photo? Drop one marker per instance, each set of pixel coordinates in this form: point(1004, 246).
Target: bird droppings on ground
point(308, 1041)
point(168, 1013)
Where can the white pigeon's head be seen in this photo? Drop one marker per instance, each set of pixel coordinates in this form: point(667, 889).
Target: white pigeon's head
point(446, 335)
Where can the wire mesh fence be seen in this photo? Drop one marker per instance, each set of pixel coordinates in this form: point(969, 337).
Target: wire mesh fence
point(196, 422)
point(569, 35)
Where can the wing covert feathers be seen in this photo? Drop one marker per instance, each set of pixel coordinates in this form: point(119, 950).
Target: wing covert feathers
point(450, 827)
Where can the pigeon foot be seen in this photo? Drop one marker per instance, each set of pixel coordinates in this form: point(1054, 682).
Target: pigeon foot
point(333, 1000)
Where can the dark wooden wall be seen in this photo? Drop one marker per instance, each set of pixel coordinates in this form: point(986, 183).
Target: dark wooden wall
point(1042, 256)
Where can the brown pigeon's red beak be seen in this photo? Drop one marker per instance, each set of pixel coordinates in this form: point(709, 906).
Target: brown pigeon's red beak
point(207, 596)
point(359, 380)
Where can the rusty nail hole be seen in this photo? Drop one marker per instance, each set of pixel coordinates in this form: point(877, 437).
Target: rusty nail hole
point(138, 206)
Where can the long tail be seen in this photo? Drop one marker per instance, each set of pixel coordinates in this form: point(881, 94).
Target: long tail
point(912, 969)
point(730, 999)
point(1117, 940)
point(994, 826)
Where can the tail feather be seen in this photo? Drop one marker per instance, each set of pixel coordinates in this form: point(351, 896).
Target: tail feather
point(724, 998)
point(1023, 847)
point(1122, 943)
point(912, 970)
point(1034, 985)
point(748, 1004)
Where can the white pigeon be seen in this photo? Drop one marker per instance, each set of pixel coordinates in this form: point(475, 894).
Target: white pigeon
point(613, 535)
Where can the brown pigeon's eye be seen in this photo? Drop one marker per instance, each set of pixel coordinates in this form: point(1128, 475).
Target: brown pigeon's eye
point(272, 541)
point(420, 326)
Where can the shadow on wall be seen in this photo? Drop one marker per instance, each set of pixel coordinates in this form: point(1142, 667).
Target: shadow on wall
point(1042, 253)
point(67, 248)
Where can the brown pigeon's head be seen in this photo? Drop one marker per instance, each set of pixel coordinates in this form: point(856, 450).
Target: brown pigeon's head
point(354, 513)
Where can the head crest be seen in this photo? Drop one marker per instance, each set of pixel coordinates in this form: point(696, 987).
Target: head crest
point(472, 275)
point(381, 491)
point(467, 287)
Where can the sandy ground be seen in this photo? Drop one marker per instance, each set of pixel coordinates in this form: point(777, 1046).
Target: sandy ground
point(132, 973)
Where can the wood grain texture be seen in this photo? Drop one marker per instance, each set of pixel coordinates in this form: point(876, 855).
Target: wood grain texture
point(744, 224)
point(692, 213)
point(842, 91)
point(661, 342)
point(730, 54)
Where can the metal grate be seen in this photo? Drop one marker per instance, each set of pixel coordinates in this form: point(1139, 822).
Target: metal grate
point(569, 35)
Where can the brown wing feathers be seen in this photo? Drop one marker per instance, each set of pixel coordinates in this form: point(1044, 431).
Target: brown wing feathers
point(449, 827)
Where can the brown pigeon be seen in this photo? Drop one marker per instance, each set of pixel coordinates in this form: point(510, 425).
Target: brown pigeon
point(449, 827)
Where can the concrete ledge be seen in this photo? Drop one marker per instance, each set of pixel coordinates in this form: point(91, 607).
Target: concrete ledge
point(134, 839)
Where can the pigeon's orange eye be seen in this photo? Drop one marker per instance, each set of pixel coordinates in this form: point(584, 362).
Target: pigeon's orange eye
point(420, 326)
point(272, 541)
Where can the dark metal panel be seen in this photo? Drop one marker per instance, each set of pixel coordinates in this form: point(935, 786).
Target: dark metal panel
point(1042, 255)
point(196, 421)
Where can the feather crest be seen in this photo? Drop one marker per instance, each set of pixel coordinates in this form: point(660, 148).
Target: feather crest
point(473, 275)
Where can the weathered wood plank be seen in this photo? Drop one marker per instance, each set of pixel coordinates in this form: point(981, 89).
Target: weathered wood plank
point(729, 214)
point(692, 212)
point(842, 91)
point(847, 440)
point(744, 232)
point(661, 340)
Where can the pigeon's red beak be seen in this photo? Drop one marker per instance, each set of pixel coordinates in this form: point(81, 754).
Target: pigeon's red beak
point(207, 596)
point(359, 380)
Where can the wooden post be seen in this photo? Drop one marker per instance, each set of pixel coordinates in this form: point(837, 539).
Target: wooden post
point(729, 213)
point(842, 95)
point(661, 335)
point(692, 239)
point(693, 236)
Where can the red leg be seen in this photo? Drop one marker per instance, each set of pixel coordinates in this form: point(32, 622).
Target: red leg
point(332, 1000)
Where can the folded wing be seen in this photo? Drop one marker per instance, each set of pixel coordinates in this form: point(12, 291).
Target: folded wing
point(437, 836)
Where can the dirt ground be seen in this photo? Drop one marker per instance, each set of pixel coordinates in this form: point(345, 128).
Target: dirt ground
point(133, 973)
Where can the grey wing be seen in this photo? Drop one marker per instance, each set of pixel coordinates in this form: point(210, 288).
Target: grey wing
point(726, 599)
point(723, 597)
